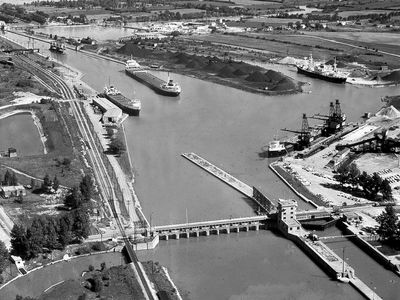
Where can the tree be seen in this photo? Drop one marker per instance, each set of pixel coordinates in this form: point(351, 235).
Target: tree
point(103, 266)
point(56, 184)
point(36, 237)
point(97, 284)
point(74, 198)
point(386, 190)
point(117, 146)
point(86, 187)
point(33, 183)
point(66, 162)
point(4, 256)
point(7, 178)
point(353, 173)
point(20, 198)
point(46, 182)
point(50, 231)
point(387, 223)
point(81, 226)
point(65, 224)
point(13, 179)
point(19, 241)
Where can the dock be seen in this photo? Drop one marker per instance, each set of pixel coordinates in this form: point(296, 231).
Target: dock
point(260, 200)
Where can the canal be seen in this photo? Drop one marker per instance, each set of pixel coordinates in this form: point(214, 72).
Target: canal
point(229, 128)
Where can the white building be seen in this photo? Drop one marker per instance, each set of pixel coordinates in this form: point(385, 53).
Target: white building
point(111, 113)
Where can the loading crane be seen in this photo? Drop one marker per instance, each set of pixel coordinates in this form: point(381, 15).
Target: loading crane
point(304, 136)
point(334, 121)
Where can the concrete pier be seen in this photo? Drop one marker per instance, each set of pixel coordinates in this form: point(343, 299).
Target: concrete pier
point(238, 185)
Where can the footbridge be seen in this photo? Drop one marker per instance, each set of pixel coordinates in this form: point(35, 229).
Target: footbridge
point(212, 227)
point(263, 203)
point(313, 214)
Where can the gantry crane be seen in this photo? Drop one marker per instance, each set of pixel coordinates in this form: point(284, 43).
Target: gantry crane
point(304, 136)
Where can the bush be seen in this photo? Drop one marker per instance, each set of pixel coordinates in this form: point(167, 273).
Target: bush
point(24, 83)
point(91, 268)
point(98, 246)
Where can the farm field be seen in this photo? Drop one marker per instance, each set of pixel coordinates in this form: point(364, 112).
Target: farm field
point(345, 14)
point(367, 37)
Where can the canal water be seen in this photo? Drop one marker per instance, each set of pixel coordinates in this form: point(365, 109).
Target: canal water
point(228, 127)
point(384, 282)
point(19, 132)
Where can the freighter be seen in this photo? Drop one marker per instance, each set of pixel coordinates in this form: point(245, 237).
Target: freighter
point(276, 148)
point(322, 71)
point(131, 107)
point(57, 46)
point(134, 70)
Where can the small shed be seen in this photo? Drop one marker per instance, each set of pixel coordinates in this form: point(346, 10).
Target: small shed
point(351, 217)
point(12, 152)
point(12, 191)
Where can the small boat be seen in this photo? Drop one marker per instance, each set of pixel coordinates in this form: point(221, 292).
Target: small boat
point(57, 46)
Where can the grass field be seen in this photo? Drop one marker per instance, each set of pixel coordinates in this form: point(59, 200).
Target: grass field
point(345, 14)
point(280, 45)
point(387, 38)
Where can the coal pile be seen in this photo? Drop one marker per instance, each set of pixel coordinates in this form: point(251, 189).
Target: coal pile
point(285, 84)
point(394, 76)
point(274, 76)
point(133, 49)
point(257, 76)
point(239, 72)
point(226, 71)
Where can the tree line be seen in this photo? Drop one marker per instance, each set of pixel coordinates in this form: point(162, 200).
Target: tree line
point(10, 179)
point(46, 233)
point(9, 12)
point(389, 226)
point(370, 185)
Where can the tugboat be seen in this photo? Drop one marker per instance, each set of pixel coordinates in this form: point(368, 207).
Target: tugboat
point(57, 46)
point(322, 71)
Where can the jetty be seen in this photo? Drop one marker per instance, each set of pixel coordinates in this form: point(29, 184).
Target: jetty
point(252, 193)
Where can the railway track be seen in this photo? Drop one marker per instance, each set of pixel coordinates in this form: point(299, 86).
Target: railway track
point(105, 184)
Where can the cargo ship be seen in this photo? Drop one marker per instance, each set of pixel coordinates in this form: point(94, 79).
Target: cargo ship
point(276, 148)
point(166, 88)
point(322, 71)
point(57, 46)
point(131, 107)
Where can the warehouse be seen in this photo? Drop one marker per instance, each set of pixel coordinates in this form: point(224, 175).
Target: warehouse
point(111, 113)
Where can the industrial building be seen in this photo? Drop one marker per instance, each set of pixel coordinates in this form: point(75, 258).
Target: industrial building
point(112, 114)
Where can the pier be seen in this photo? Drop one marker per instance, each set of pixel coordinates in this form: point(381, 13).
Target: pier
point(262, 202)
point(212, 227)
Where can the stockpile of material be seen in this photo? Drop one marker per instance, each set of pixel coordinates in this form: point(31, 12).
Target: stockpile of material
point(393, 77)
